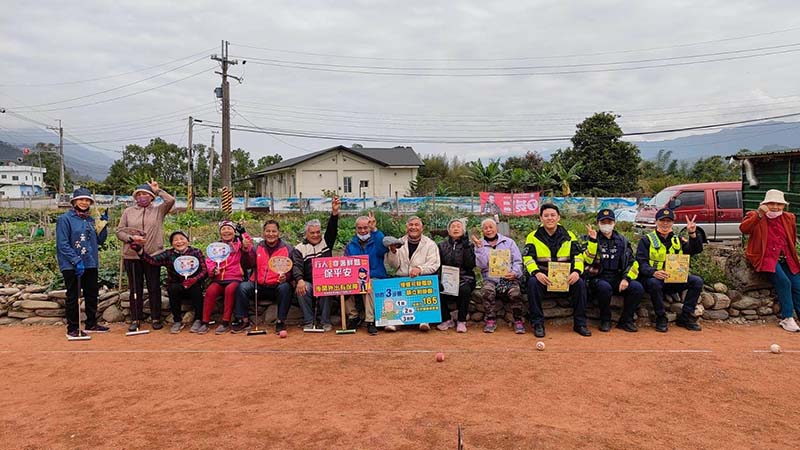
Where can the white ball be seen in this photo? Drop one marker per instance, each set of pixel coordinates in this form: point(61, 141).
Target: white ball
point(775, 348)
point(540, 346)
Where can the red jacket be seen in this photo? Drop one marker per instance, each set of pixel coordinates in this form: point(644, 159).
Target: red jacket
point(266, 276)
point(756, 227)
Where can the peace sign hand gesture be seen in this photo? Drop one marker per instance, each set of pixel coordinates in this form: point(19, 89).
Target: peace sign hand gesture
point(691, 227)
point(372, 222)
point(591, 231)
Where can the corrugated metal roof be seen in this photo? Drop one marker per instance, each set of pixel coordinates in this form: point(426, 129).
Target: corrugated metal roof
point(788, 152)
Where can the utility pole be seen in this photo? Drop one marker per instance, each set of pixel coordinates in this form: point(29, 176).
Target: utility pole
point(211, 165)
point(226, 125)
point(190, 169)
point(61, 156)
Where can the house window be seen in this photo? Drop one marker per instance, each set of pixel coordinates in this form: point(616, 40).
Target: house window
point(14, 177)
point(3, 177)
point(348, 185)
point(363, 184)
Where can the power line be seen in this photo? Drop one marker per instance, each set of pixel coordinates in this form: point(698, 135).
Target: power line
point(88, 80)
point(29, 107)
point(522, 58)
point(126, 95)
point(292, 65)
point(485, 140)
point(513, 68)
point(272, 136)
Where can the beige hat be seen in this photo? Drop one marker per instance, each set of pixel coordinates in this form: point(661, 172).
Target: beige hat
point(774, 196)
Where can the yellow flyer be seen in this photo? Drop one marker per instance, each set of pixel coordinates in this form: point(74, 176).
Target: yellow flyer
point(558, 273)
point(677, 266)
point(499, 262)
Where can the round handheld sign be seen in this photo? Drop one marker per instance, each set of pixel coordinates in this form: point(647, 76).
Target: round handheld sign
point(186, 265)
point(218, 251)
point(280, 264)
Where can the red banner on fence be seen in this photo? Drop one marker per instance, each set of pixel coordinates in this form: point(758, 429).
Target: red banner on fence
point(502, 203)
point(340, 275)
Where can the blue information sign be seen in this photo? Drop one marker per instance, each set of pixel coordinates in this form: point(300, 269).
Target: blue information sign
point(406, 301)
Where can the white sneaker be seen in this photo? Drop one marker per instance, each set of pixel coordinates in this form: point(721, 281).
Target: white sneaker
point(390, 328)
point(789, 325)
point(424, 326)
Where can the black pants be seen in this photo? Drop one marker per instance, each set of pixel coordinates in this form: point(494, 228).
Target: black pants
point(462, 302)
point(178, 294)
point(138, 271)
point(89, 288)
point(577, 293)
point(604, 289)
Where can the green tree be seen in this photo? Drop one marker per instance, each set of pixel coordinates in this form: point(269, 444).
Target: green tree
point(517, 179)
point(607, 164)
point(489, 177)
point(543, 180)
point(566, 175)
point(530, 161)
point(242, 167)
point(714, 168)
point(269, 160)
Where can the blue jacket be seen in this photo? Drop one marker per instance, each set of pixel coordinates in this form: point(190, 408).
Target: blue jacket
point(372, 247)
point(76, 239)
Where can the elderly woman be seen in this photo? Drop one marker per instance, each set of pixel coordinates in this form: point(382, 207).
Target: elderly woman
point(457, 251)
point(143, 224)
point(772, 249)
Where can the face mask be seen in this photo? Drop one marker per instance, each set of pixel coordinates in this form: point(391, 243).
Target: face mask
point(606, 229)
point(363, 237)
point(774, 214)
point(143, 201)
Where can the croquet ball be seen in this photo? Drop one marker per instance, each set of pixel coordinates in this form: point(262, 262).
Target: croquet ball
point(775, 348)
point(540, 346)
point(440, 357)
point(283, 334)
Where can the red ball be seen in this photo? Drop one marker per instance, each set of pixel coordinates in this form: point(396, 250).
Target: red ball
point(439, 357)
point(283, 334)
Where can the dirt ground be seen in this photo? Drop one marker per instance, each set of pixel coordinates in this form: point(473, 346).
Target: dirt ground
point(717, 389)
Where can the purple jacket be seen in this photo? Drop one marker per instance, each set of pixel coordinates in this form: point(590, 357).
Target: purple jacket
point(503, 242)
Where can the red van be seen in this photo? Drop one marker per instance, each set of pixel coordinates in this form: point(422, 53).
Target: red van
point(718, 207)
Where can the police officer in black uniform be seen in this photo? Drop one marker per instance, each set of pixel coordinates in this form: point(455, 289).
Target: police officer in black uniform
point(612, 269)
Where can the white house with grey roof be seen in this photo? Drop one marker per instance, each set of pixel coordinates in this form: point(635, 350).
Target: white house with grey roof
point(349, 171)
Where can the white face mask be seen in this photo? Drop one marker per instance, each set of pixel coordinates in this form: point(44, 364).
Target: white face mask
point(363, 237)
point(606, 229)
point(774, 214)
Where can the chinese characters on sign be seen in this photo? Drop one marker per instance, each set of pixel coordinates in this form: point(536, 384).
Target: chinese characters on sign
point(340, 275)
point(406, 301)
point(501, 203)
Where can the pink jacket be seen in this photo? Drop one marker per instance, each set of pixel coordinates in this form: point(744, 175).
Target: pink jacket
point(231, 268)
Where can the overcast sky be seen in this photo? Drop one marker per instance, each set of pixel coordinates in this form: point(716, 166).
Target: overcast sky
point(45, 43)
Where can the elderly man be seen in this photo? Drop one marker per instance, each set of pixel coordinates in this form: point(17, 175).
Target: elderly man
point(416, 255)
point(551, 242)
point(368, 241)
point(313, 246)
point(271, 284)
point(652, 256)
point(507, 285)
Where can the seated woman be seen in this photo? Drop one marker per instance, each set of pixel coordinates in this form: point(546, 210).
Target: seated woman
point(226, 276)
point(772, 250)
point(457, 251)
point(181, 288)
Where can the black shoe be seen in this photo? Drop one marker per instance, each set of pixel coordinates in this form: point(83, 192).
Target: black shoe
point(134, 326)
point(96, 328)
point(538, 330)
point(688, 322)
point(157, 325)
point(628, 326)
point(662, 324)
point(352, 324)
point(605, 326)
point(279, 326)
point(582, 330)
point(372, 329)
